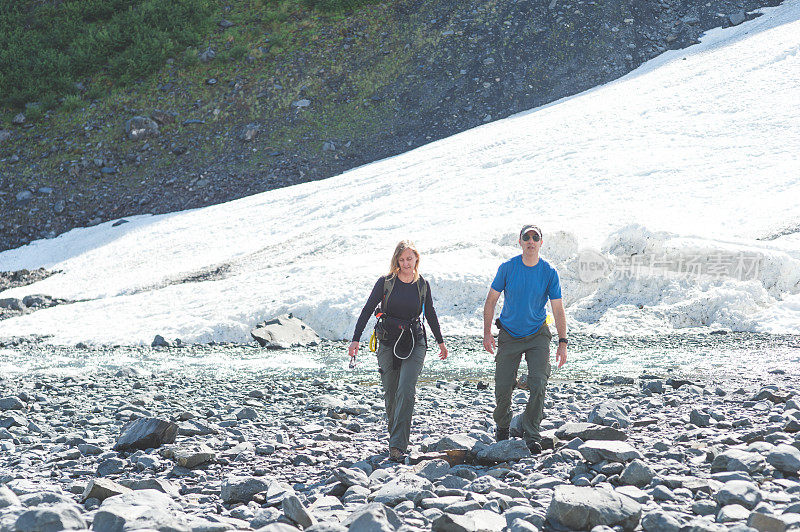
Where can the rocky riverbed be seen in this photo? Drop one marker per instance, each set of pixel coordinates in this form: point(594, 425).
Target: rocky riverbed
point(140, 444)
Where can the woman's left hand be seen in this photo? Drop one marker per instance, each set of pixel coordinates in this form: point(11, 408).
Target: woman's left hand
point(442, 351)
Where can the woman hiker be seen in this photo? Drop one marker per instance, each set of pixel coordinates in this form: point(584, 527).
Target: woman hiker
point(403, 296)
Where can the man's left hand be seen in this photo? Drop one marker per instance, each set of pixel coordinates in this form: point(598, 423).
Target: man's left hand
point(561, 354)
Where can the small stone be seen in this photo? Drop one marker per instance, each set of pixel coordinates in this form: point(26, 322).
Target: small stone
point(246, 413)
point(609, 412)
point(613, 451)
point(101, 489)
point(577, 508)
point(294, 510)
point(146, 433)
point(159, 341)
point(737, 18)
point(242, 489)
point(637, 473)
point(110, 466)
point(140, 127)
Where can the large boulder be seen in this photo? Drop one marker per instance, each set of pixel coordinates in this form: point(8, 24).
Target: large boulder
point(403, 488)
point(374, 517)
point(583, 508)
point(609, 412)
point(589, 431)
point(50, 519)
point(8, 497)
point(785, 458)
point(284, 332)
point(242, 489)
point(738, 460)
point(637, 473)
point(472, 521)
point(509, 450)
point(739, 492)
point(101, 489)
point(146, 433)
point(594, 451)
point(458, 442)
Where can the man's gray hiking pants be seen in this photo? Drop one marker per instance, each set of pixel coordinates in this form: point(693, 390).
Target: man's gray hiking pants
point(536, 349)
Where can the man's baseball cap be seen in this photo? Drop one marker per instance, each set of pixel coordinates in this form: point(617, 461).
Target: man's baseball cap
point(527, 228)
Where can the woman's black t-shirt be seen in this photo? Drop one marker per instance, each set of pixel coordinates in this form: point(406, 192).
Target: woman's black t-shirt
point(402, 303)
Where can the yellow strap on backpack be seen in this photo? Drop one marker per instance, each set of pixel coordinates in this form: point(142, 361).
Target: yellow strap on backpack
point(549, 320)
point(373, 342)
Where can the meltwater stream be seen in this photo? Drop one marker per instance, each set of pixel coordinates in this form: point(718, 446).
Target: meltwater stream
point(590, 357)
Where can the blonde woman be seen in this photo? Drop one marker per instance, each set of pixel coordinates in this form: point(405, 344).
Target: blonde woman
point(401, 298)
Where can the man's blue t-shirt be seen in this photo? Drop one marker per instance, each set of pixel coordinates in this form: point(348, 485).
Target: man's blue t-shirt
point(527, 289)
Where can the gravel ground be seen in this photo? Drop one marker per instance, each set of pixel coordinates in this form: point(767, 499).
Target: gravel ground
point(235, 438)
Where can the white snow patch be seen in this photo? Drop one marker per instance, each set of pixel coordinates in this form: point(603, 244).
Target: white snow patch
point(693, 154)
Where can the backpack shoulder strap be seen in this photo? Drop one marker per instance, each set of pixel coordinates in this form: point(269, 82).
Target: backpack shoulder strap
point(388, 286)
point(422, 287)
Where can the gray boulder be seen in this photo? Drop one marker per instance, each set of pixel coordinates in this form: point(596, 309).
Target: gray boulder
point(294, 510)
point(191, 457)
point(101, 489)
point(284, 332)
point(509, 450)
point(738, 460)
point(739, 492)
point(637, 473)
point(140, 127)
point(404, 488)
point(351, 476)
point(8, 497)
point(433, 469)
point(457, 442)
point(11, 403)
point(146, 433)
point(589, 431)
point(50, 519)
point(583, 508)
point(785, 458)
point(242, 489)
point(701, 419)
point(660, 521)
point(614, 451)
point(373, 517)
point(609, 412)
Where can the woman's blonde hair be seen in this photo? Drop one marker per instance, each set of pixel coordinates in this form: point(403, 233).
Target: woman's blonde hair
point(394, 266)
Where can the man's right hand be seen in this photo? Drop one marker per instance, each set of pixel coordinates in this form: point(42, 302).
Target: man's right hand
point(488, 343)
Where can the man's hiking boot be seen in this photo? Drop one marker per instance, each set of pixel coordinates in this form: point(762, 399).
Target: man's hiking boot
point(501, 434)
point(396, 455)
point(533, 445)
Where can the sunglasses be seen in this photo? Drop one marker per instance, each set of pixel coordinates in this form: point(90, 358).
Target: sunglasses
point(534, 236)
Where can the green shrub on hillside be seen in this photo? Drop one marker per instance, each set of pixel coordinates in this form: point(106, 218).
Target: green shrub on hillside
point(46, 48)
point(333, 6)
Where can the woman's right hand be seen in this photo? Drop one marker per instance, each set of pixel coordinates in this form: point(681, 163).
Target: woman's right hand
point(352, 350)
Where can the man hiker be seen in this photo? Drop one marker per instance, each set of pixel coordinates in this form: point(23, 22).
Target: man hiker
point(528, 281)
